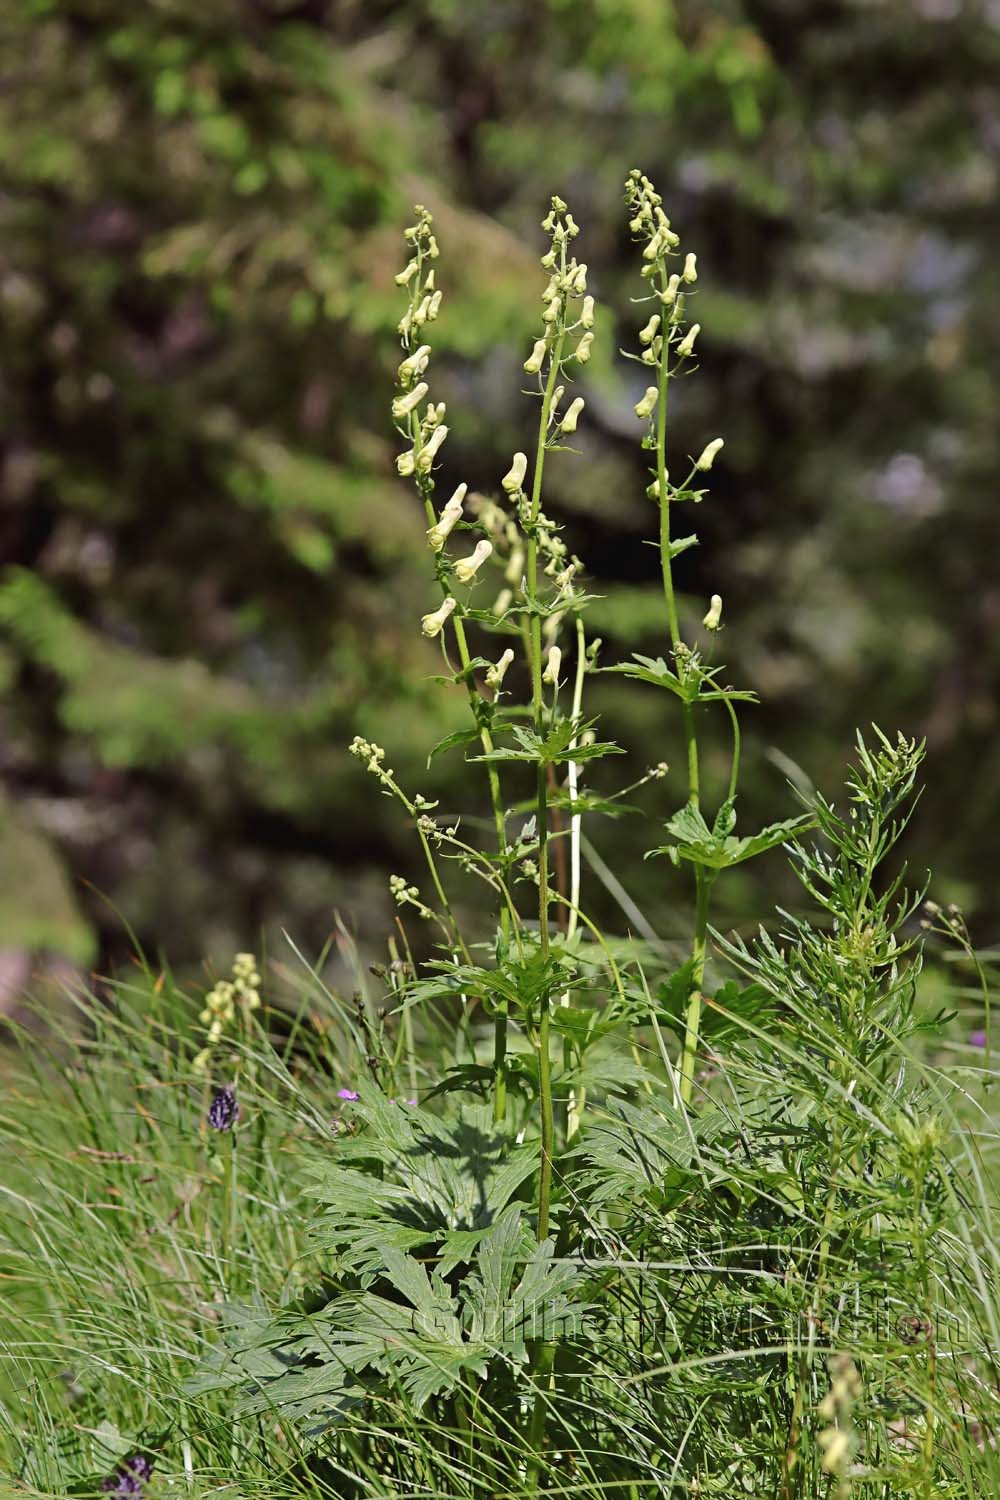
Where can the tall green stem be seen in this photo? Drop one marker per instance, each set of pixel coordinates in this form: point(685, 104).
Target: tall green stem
point(703, 879)
point(576, 1098)
point(541, 799)
point(496, 802)
point(703, 887)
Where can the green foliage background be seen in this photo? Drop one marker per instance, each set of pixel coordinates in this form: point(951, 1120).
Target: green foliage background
point(211, 577)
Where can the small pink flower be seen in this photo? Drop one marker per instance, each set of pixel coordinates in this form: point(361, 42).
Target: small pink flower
point(347, 1094)
point(977, 1039)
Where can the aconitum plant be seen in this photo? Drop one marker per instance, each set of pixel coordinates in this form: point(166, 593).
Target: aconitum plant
point(647, 1232)
point(502, 569)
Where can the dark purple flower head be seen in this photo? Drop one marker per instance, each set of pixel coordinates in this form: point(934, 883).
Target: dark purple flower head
point(224, 1110)
point(121, 1484)
point(129, 1477)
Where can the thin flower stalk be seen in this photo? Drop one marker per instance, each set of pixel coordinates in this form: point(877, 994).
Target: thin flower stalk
point(425, 249)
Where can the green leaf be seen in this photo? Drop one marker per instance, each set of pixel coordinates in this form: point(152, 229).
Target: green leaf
point(477, 664)
point(554, 748)
point(681, 545)
point(457, 737)
point(694, 684)
point(700, 845)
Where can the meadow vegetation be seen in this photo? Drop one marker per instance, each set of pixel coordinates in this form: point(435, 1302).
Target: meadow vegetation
point(540, 1206)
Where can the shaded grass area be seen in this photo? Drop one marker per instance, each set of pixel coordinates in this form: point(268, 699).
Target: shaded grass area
point(129, 1226)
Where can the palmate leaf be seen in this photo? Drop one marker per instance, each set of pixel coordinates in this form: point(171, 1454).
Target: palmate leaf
point(415, 1332)
point(701, 845)
point(436, 1176)
point(724, 1011)
point(634, 1151)
point(520, 981)
point(517, 1292)
point(555, 748)
point(696, 684)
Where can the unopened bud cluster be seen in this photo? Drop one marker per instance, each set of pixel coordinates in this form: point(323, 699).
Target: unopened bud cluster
point(667, 346)
point(425, 301)
point(567, 310)
point(837, 1441)
point(425, 431)
point(222, 1000)
point(408, 895)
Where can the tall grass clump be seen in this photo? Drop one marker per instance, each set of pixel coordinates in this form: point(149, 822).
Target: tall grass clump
point(547, 1210)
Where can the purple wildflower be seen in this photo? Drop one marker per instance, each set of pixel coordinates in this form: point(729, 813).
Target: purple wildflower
point(129, 1477)
point(224, 1110)
point(121, 1484)
point(977, 1039)
point(347, 1094)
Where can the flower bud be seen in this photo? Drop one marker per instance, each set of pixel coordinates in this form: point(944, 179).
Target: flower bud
point(707, 457)
point(686, 345)
point(433, 624)
point(466, 570)
point(551, 673)
point(413, 367)
point(403, 405)
point(587, 312)
point(429, 451)
point(583, 348)
point(434, 306)
point(647, 405)
point(406, 463)
point(552, 311)
point(514, 478)
point(690, 272)
point(670, 290)
point(497, 673)
point(405, 276)
point(580, 279)
point(536, 358)
point(569, 421)
point(450, 516)
point(713, 619)
point(648, 334)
